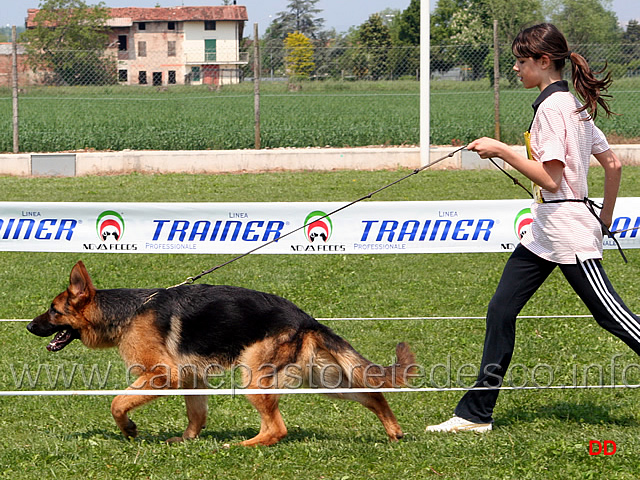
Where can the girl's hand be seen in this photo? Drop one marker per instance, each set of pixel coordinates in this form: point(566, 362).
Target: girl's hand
point(548, 174)
point(612, 175)
point(487, 147)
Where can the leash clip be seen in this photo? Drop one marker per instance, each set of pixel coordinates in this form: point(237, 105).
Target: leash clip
point(591, 205)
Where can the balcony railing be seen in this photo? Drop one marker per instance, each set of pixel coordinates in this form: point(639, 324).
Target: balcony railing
point(219, 58)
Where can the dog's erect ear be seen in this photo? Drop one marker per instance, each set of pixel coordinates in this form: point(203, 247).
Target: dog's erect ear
point(81, 288)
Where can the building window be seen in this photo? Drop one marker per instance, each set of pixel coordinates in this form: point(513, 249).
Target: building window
point(142, 77)
point(210, 50)
point(157, 79)
point(142, 49)
point(122, 75)
point(122, 43)
point(172, 77)
point(209, 24)
point(171, 48)
point(195, 74)
point(142, 26)
point(171, 25)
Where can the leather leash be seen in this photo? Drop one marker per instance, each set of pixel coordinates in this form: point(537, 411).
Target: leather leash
point(191, 280)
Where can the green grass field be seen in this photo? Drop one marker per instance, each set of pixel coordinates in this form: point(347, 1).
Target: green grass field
point(322, 114)
point(538, 434)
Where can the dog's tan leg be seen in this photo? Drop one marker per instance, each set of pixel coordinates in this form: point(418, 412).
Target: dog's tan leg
point(123, 404)
point(272, 427)
point(258, 374)
point(197, 415)
point(378, 405)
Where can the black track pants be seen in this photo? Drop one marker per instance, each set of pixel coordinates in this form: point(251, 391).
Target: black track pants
point(523, 274)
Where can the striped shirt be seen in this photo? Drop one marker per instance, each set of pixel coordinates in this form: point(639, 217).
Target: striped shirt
point(564, 232)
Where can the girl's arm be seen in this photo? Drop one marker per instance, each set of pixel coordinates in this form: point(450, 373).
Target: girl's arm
point(548, 174)
point(612, 175)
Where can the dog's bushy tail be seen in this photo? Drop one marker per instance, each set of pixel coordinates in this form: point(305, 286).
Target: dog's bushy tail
point(337, 364)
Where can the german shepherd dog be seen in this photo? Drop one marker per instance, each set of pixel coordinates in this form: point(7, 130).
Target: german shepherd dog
point(171, 338)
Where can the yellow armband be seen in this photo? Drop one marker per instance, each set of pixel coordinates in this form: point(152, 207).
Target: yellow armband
point(537, 191)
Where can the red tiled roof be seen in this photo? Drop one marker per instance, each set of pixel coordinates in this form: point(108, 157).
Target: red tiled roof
point(171, 14)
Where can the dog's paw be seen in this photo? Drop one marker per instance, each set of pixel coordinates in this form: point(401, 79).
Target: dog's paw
point(130, 430)
point(184, 438)
point(174, 440)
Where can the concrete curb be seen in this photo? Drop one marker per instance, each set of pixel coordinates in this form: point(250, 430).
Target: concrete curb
point(249, 161)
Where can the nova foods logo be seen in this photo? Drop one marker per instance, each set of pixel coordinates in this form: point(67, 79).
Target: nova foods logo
point(110, 230)
point(318, 227)
point(110, 224)
point(523, 222)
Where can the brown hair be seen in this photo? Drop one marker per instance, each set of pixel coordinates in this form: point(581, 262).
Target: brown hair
point(546, 39)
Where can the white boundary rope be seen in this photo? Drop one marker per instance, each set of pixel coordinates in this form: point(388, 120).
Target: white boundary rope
point(327, 319)
point(285, 391)
point(446, 318)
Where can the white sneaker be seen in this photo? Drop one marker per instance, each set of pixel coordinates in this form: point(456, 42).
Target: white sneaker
point(456, 424)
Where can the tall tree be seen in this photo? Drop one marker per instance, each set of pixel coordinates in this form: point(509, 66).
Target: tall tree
point(631, 47)
point(374, 41)
point(391, 18)
point(586, 21)
point(442, 57)
point(300, 16)
point(512, 15)
point(632, 34)
point(329, 56)
point(299, 56)
point(409, 24)
point(462, 30)
point(442, 17)
point(405, 34)
point(69, 40)
point(472, 36)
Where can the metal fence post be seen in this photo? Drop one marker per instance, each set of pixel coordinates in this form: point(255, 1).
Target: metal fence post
point(496, 80)
point(14, 75)
point(256, 84)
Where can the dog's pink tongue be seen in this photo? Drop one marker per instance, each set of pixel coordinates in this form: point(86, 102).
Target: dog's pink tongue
point(59, 341)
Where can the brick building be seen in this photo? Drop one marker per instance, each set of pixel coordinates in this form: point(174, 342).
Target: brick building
point(25, 75)
point(175, 45)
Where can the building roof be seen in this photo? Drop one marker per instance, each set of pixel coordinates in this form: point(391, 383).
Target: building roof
point(125, 15)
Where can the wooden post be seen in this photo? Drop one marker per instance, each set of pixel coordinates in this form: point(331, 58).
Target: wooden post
point(256, 84)
point(496, 80)
point(14, 74)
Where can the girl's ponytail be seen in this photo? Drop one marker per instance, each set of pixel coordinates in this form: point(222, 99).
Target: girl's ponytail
point(589, 88)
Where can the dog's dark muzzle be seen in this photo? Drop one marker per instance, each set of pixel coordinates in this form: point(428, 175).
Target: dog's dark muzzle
point(41, 327)
point(64, 334)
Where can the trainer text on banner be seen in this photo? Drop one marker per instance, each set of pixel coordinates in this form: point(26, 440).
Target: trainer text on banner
point(235, 228)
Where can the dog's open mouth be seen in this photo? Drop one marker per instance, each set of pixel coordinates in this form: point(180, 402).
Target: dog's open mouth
point(62, 339)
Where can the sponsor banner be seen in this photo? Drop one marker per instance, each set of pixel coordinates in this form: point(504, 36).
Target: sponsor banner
point(236, 228)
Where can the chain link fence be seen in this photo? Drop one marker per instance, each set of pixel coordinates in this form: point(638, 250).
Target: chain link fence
point(352, 96)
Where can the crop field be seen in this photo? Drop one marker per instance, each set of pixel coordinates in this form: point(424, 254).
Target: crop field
point(538, 433)
point(321, 114)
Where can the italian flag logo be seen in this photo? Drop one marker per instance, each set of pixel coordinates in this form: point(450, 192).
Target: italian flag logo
point(110, 224)
point(523, 222)
point(318, 227)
